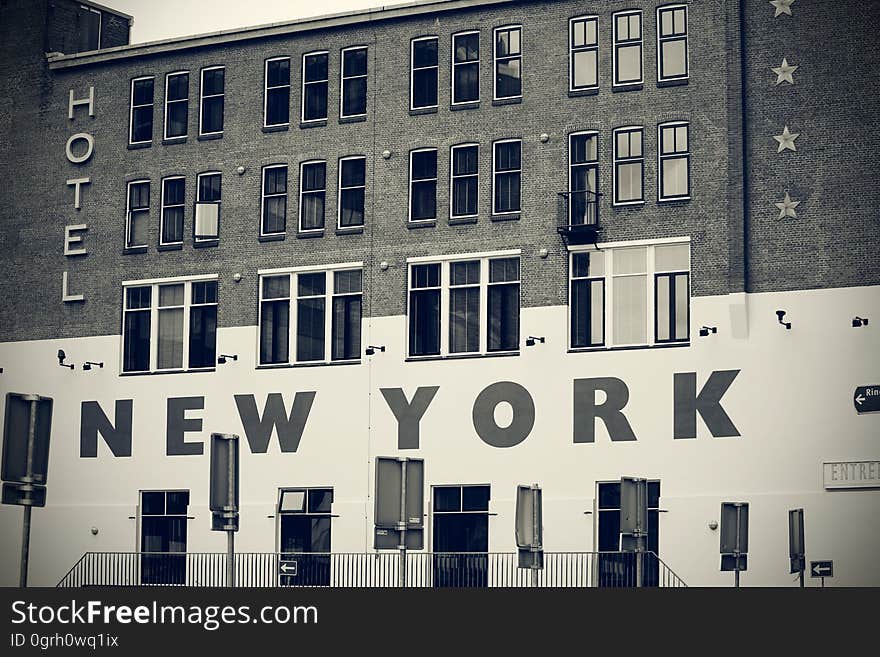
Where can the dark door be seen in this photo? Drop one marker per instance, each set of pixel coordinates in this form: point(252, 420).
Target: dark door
point(461, 536)
point(304, 538)
point(163, 537)
point(620, 569)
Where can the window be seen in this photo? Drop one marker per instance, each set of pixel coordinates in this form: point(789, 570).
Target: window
point(276, 110)
point(508, 62)
point(328, 311)
point(353, 96)
point(211, 114)
point(424, 73)
point(618, 569)
point(352, 188)
point(627, 48)
point(141, 119)
point(173, 200)
point(583, 177)
point(465, 180)
point(312, 195)
point(482, 294)
point(506, 176)
point(315, 79)
point(89, 29)
point(583, 60)
point(465, 67)
point(629, 166)
point(461, 536)
point(304, 529)
point(176, 104)
point(630, 295)
point(138, 214)
point(169, 325)
point(206, 226)
point(675, 161)
point(423, 184)
point(163, 520)
point(274, 204)
point(672, 43)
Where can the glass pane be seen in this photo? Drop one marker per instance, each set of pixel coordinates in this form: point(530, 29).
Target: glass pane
point(351, 207)
point(503, 270)
point(673, 59)
point(139, 228)
point(425, 53)
point(467, 47)
point(310, 329)
point(629, 182)
point(212, 114)
point(178, 87)
point(507, 192)
point(173, 191)
point(680, 15)
point(209, 188)
point(425, 87)
point(464, 273)
point(354, 97)
point(346, 340)
point(635, 26)
point(278, 72)
point(426, 275)
point(177, 119)
point(585, 69)
point(503, 316)
point(609, 496)
point(292, 501)
point(275, 287)
point(177, 502)
point(667, 139)
point(672, 257)
point(630, 261)
point(143, 92)
point(507, 156)
point(320, 500)
point(205, 292)
point(475, 498)
point(578, 33)
point(507, 78)
point(170, 350)
point(316, 101)
point(309, 285)
point(278, 106)
point(629, 63)
point(681, 138)
point(467, 83)
point(464, 319)
point(142, 124)
point(597, 312)
point(316, 67)
point(424, 327)
point(622, 27)
point(313, 176)
point(212, 82)
point(172, 225)
point(275, 332)
point(630, 310)
point(584, 148)
point(171, 295)
point(136, 347)
point(153, 503)
point(665, 22)
point(682, 300)
point(274, 214)
point(424, 165)
point(424, 200)
point(203, 336)
point(464, 160)
point(347, 281)
point(675, 176)
point(353, 172)
point(662, 308)
point(354, 62)
point(464, 196)
point(588, 264)
point(447, 498)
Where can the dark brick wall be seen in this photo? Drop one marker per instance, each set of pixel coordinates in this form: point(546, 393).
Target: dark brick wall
point(64, 20)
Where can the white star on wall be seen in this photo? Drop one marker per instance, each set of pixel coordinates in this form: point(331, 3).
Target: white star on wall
point(786, 140)
point(782, 7)
point(786, 208)
point(784, 72)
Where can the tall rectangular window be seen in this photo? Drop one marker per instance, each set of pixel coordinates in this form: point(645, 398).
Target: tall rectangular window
point(137, 225)
point(424, 73)
point(627, 48)
point(310, 316)
point(465, 67)
point(629, 165)
point(176, 104)
point(673, 171)
point(89, 28)
point(587, 299)
point(203, 324)
point(508, 62)
point(315, 75)
point(274, 319)
point(347, 307)
point(312, 195)
point(583, 59)
point(583, 177)
point(212, 98)
point(424, 310)
point(173, 203)
point(353, 94)
point(464, 194)
point(503, 305)
point(141, 115)
point(136, 323)
point(672, 43)
point(423, 184)
point(464, 306)
point(506, 176)
point(352, 191)
point(276, 98)
point(170, 320)
point(672, 293)
point(206, 223)
point(163, 521)
point(274, 206)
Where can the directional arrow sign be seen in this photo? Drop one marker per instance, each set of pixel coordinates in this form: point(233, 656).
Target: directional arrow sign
point(288, 568)
point(822, 568)
point(866, 399)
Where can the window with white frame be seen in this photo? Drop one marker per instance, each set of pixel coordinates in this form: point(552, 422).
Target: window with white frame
point(627, 47)
point(206, 222)
point(176, 104)
point(173, 204)
point(274, 200)
point(141, 115)
point(424, 72)
point(89, 28)
point(353, 94)
point(630, 295)
point(506, 176)
point(465, 173)
point(464, 305)
point(423, 184)
point(312, 195)
point(629, 165)
point(212, 99)
point(311, 310)
point(583, 53)
point(315, 75)
point(583, 177)
point(508, 62)
point(674, 167)
point(276, 98)
point(137, 212)
point(352, 191)
point(169, 325)
point(672, 43)
point(465, 67)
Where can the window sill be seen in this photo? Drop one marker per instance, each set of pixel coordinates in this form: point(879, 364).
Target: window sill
point(578, 93)
point(134, 250)
point(580, 350)
point(635, 86)
point(322, 363)
point(171, 141)
point(678, 199)
point(210, 137)
point(498, 102)
point(278, 237)
point(465, 106)
point(350, 230)
point(628, 204)
point(276, 128)
point(206, 244)
point(170, 247)
point(500, 354)
point(507, 216)
point(426, 223)
point(352, 119)
point(135, 147)
point(677, 82)
point(462, 221)
point(193, 371)
point(307, 234)
point(418, 111)
point(317, 123)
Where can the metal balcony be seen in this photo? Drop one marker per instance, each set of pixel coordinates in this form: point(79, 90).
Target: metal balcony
point(579, 217)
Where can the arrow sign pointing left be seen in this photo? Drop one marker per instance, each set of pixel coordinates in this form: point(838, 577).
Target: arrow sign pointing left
point(288, 567)
point(822, 569)
point(866, 399)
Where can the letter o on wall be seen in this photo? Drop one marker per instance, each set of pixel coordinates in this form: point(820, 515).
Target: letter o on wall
point(523, 414)
point(79, 159)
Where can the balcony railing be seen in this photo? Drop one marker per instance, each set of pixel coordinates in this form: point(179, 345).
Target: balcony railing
point(367, 570)
point(579, 216)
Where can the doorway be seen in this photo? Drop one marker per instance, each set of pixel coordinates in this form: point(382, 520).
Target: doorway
point(304, 536)
point(461, 536)
point(620, 569)
point(163, 536)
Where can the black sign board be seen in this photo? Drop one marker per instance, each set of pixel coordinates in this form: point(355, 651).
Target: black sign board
point(26, 449)
point(387, 517)
point(866, 399)
point(734, 527)
point(731, 563)
point(796, 540)
point(822, 568)
point(224, 484)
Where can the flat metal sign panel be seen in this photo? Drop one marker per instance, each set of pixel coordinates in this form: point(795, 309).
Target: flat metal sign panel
point(866, 399)
point(633, 505)
point(630, 543)
point(729, 562)
point(528, 528)
point(822, 568)
point(16, 431)
point(24, 494)
point(796, 539)
point(389, 539)
point(388, 475)
point(531, 559)
point(734, 535)
point(851, 474)
point(288, 567)
point(415, 494)
point(224, 472)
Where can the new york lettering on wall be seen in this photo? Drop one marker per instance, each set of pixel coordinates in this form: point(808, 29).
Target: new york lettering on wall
point(76, 154)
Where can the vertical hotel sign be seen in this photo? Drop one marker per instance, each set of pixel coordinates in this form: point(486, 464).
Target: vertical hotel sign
point(79, 149)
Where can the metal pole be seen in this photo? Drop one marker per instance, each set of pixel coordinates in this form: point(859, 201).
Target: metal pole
point(230, 534)
point(230, 558)
point(640, 504)
point(534, 534)
point(25, 546)
point(736, 547)
point(802, 577)
point(736, 573)
point(29, 478)
point(401, 525)
point(823, 581)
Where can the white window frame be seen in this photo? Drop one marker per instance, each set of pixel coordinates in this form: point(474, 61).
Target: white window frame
point(615, 160)
point(339, 225)
point(131, 108)
point(615, 44)
point(198, 200)
point(572, 49)
point(342, 80)
point(128, 185)
point(299, 227)
point(413, 69)
point(452, 178)
point(266, 89)
point(436, 180)
point(202, 97)
point(329, 294)
point(163, 206)
point(302, 111)
point(453, 64)
point(660, 39)
point(496, 59)
point(263, 197)
point(444, 262)
point(571, 165)
point(495, 172)
point(660, 157)
point(179, 100)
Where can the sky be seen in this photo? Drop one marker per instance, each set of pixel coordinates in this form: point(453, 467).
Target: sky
point(166, 19)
